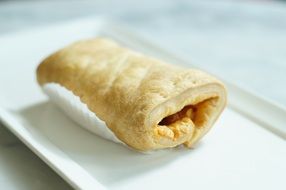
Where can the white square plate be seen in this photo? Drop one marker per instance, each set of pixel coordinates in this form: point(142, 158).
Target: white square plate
point(244, 150)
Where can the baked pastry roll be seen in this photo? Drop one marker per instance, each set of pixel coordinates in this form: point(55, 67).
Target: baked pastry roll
point(146, 103)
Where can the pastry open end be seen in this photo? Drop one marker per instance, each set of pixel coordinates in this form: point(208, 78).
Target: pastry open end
point(187, 123)
point(146, 103)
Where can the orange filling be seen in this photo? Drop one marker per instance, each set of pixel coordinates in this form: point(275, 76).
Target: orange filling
point(184, 121)
point(187, 111)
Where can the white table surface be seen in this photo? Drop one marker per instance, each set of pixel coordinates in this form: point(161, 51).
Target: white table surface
point(244, 42)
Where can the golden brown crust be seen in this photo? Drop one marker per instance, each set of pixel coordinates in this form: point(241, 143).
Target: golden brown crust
point(132, 93)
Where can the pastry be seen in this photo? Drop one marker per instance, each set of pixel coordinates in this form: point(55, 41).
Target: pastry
point(146, 103)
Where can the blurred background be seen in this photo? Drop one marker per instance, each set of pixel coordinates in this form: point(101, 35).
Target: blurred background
point(241, 41)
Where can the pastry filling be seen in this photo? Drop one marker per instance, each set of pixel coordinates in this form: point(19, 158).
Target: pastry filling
point(187, 111)
point(177, 124)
